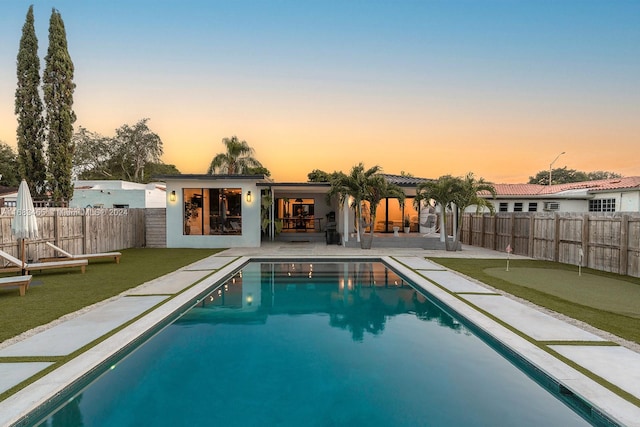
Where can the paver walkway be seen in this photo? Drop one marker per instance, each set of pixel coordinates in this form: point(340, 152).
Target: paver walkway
point(538, 337)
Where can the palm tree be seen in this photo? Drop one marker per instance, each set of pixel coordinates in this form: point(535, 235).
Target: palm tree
point(443, 192)
point(362, 186)
point(467, 194)
point(237, 160)
point(456, 195)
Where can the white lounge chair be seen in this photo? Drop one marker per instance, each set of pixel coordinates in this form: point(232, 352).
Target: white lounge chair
point(115, 255)
point(16, 264)
point(21, 281)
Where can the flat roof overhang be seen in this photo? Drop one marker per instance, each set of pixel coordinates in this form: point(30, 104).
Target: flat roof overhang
point(307, 187)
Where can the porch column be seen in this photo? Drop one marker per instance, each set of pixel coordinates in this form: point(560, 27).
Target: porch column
point(345, 221)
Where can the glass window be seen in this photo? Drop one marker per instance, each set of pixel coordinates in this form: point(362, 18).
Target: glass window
point(533, 207)
point(602, 205)
point(517, 207)
point(504, 207)
point(212, 211)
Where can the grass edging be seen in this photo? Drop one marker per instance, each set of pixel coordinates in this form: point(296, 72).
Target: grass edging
point(58, 361)
point(539, 344)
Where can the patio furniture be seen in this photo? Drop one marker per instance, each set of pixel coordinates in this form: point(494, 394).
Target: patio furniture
point(16, 264)
point(115, 255)
point(431, 224)
point(21, 281)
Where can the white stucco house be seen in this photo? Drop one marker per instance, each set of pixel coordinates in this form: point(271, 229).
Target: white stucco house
point(117, 194)
point(221, 211)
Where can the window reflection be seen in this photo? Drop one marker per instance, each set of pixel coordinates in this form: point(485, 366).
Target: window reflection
point(212, 211)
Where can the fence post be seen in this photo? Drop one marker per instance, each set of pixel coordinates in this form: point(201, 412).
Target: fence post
point(556, 239)
point(585, 238)
point(482, 230)
point(494, 221)
point(624, 244)
point(512, 237)
point(56, 229)
point(532, 230)
point(84, 230)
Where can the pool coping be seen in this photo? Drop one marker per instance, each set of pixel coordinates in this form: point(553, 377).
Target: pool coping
point(19, 408)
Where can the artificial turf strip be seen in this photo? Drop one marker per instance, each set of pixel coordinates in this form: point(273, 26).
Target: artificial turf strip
point(543, 345)
point(597, 307)
point(54, 293)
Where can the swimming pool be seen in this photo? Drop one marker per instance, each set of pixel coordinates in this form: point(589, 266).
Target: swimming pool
point(315, 344)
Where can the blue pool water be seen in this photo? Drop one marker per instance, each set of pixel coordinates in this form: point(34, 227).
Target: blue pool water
point(321, 344)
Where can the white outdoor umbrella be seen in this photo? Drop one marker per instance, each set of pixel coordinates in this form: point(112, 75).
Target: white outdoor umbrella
point(24, 225)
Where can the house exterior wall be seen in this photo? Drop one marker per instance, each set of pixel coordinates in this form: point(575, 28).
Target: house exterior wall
point(628, 201)
point(251, 232)
point(625, 201)
point(111, 193)
point(565, 205)
point(155, 197)
point(107, 198)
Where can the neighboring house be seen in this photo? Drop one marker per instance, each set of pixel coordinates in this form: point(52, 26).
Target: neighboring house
point(607, 195)
point(8, 196)
point(118, 194)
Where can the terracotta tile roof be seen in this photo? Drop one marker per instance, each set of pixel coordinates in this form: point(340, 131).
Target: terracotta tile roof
point(630, 182)
point(403, 180)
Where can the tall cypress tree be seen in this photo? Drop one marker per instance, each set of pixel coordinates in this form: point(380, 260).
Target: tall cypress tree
point(28, 108)
point(58, 97)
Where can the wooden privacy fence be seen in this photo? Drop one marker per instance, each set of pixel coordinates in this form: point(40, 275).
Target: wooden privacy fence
point(77, 230)
point(609, 242)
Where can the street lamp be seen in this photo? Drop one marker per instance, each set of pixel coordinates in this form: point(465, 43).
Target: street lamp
point(551, 165)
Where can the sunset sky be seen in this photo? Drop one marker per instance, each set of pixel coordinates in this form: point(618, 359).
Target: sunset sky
point(498, 88)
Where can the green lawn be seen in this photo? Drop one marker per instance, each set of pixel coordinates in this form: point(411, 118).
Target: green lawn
point(54, 293)
point(610, 302)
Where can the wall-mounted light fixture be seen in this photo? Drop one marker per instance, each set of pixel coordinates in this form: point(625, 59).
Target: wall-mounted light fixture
point(249, 196)
point(172, 196)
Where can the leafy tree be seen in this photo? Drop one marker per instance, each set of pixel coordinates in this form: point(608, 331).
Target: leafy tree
point(136, 146)
point(58, 90)
point(564, 176)
point(363, 186)
point(597, 175)
point(92, 157)
point(28, 108)
point(9, 175)
point(260, 170)
point(153, 169)
point(238, 158)
point(318, 175)
point(133, 154)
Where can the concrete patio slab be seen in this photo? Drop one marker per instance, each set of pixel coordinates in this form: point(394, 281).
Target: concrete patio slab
point(454, 282)
point(73, 334)
point(211, 263)
point(618, 365)
point(539, 326)
point(170, 284)
point(418, 263)
point(12, 374)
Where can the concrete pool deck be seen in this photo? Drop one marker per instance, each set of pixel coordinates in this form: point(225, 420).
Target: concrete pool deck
point(562, 350)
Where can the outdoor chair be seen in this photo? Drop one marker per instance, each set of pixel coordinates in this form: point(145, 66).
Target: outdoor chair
point(67, 255)
point(21, 281)
point(16, 265)
point(431, 224)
